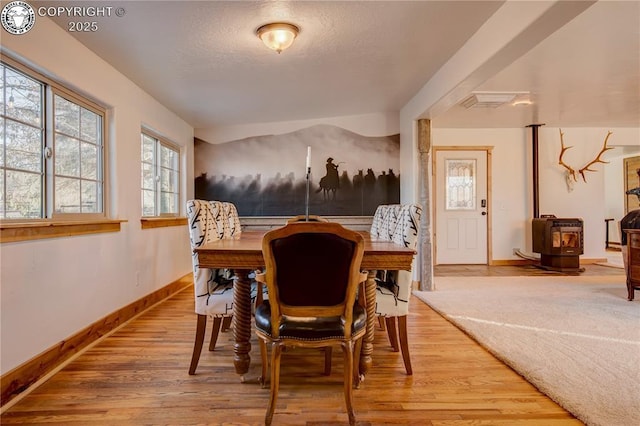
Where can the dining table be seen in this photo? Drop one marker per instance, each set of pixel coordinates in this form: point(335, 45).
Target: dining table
point(243, 254)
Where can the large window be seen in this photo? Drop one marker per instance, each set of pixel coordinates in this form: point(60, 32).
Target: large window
point(160, 176)
point(56, 173)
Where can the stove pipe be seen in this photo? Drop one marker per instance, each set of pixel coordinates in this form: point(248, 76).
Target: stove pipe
point(536, 179)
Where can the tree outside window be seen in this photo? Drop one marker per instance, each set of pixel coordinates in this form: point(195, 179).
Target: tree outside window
point(47, 175)
point(160, 177)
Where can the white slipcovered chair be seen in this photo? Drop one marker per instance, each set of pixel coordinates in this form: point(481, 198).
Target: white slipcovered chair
point(398, 223)
point(232, 223)
point(213, 289)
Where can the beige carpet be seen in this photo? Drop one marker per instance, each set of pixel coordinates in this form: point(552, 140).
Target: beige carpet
point(575, 338)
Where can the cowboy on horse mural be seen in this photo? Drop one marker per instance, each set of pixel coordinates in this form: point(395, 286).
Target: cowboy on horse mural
point(330, 181)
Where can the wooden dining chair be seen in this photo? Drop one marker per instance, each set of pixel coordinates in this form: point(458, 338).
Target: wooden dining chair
point(312, 275)
point(398, 223)
point(213, 288)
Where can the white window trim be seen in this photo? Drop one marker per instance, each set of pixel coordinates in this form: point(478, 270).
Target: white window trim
point(162, 140)
point(53, 87)
point(102, 158)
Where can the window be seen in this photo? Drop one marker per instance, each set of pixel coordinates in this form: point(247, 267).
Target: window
point(160, 176)
point(78, 152)
point(460, 192)
point(55, 174)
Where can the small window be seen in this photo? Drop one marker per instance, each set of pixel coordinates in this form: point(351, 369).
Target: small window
point(160, 176)
point(48, 175)
point(78, 152)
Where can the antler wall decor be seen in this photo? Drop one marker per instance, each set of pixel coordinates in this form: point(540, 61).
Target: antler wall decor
point(570, 174)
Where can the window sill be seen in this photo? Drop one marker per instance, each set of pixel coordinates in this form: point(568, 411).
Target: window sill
point(162, 222)
point(24, 231)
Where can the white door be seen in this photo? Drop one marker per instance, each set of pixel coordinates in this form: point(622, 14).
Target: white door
point(461, 207)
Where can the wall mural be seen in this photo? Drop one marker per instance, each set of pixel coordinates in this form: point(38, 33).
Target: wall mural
point(351, 174)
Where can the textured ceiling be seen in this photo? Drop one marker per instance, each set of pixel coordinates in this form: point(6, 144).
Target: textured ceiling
point(203, 61)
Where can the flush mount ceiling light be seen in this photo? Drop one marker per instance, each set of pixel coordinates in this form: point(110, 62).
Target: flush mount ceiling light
point(490, 99)
point(522, 100)
point(278, 35)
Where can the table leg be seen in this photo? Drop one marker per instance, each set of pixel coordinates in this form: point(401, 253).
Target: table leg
point(367, 345)
point(242, 321)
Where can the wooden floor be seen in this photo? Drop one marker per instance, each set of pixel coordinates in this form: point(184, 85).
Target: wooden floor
point(138, 375)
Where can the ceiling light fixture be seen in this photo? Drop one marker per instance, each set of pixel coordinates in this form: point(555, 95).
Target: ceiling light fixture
point(522, 100)
point(278, 35)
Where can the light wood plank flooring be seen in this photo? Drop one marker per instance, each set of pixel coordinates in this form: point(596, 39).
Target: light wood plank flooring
point(138, 375)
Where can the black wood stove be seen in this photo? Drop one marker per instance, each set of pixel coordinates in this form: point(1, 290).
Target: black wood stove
point(559, 242)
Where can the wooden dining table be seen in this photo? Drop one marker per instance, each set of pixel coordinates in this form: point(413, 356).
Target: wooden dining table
point(243, 254)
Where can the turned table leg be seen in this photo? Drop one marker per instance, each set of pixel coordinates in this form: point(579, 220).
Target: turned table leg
point(242, 321)
point(367, 344)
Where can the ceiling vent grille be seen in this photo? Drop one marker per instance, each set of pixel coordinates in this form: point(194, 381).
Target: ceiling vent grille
point(490, 99)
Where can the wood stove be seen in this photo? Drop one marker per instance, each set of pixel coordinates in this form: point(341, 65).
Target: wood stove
point(559, 242)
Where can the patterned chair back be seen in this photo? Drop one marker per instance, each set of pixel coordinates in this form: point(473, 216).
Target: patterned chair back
point(232, 220)
point(210, 221)
point(398, 223)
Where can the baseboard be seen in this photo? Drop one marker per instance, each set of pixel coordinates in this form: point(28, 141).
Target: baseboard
point(511, 262)
point(592, 261)
point(523, 262)
point(20, 378)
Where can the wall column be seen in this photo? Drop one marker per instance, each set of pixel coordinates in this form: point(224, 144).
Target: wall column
point(424, 250)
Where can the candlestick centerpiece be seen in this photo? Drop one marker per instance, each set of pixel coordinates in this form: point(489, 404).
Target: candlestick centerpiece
point(308, 168)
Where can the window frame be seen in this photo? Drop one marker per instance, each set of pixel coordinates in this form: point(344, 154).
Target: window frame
point(101, 158)
point(160, 141)
point(39, 127)
point(52, 88)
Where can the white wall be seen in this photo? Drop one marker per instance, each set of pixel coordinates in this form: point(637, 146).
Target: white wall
point(53, 288)
point(511, 180)
point(377, 124)
point(509, 204)
point(587, 200)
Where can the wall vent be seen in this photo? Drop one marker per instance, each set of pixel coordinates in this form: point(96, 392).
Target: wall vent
point(490, 99)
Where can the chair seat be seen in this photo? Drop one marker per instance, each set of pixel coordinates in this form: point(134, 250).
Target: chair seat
point(218, 302)
point(304, 329)
point(388, 303)
point(392, 294)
